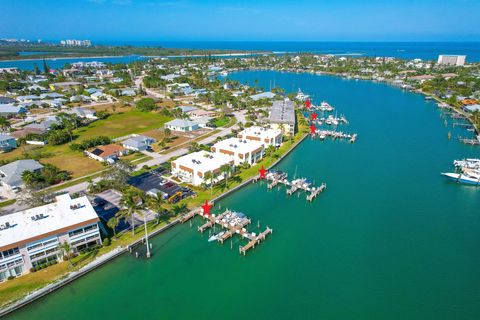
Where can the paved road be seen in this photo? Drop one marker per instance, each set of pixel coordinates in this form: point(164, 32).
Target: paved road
point(159, 159)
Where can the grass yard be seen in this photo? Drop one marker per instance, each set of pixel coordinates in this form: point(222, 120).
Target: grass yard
point(121, 124)
point(117, 125)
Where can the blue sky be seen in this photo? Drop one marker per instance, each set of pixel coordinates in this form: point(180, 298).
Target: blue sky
point(179, 20)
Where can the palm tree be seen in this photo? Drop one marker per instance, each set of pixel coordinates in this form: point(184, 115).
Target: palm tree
point(113, 223)
point(155, 203)
point(132, 203)
point(4, 124)
point(209, 177)
point(65, 250)
point(226, 169)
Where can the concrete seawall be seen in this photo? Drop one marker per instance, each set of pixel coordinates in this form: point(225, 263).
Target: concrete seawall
point(100, 261)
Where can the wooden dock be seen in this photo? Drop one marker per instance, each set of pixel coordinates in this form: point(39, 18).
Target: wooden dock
point(316, 192)
point(238, 227)
point(254, 241)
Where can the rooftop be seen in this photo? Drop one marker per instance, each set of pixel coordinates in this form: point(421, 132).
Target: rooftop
point(203, 161)
point(238, 145)
point(33, 224)
point(282, 111)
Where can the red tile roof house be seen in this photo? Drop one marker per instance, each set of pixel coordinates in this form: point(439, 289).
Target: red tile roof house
point(108, 153)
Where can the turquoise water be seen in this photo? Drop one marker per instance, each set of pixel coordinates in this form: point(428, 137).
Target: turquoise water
point(389, 239)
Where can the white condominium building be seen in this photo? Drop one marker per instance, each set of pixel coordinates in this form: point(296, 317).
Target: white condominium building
point(240, 150)
point(32, 237)
point(193, 167)
point(267, 136)
point(282, 116)
point(452, 60)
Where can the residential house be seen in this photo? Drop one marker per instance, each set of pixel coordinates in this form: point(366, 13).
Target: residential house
point(7, 143)
point(182, 125)
point(108, 153)
point(84, 113)
point(11, 173)
point(138, 143)
point(11, 110)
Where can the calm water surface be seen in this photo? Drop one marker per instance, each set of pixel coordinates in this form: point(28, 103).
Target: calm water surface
point(389, 239)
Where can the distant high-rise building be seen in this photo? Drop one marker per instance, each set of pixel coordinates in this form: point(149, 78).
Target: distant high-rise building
point(452, 60)
point(76, 43)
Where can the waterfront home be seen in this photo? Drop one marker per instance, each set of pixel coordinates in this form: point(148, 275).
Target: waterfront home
point(11, 110)
point(262, 95)
point(182, 125)
point(108, 153)
point(267, 136)
point(138, 143)
point(8, 70)
point(240, 150)
point(192, 168)
point(7, 143)
point(32, 237)
point(282, 116)
point(11, 173)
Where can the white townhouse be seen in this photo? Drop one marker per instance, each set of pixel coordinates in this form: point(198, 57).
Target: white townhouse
point(31, 237)
point(240, 150)
point(267, 136)
point(192, 167)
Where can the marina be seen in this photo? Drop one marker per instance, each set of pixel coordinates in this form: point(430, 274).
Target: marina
point(230, 223)
point(358, 238)
point(277, 178)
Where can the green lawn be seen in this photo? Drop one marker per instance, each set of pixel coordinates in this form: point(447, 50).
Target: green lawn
point(117, 125)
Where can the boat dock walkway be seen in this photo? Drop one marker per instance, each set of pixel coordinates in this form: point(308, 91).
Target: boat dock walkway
point(255, 240)
point(322, 134)
point(316, 192)
point(277, 178)
point(232, 223)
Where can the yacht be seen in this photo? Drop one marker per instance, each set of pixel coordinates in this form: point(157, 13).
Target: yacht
point(468, 176)
point(302, 96)
point(215, 237)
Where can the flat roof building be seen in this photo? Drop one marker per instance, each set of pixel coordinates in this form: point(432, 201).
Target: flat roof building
point(240, 150)
point(192, 167)
point(31, 237)
point(452, 60)
point(282, 116)
point(267, 136)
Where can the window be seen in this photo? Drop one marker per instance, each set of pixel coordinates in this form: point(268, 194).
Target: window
point(10, 252)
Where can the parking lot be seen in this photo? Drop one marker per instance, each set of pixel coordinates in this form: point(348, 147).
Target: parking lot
point(152, 183)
